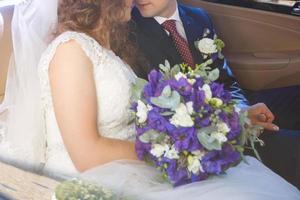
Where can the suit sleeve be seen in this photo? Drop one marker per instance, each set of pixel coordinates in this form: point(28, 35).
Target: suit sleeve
point(226, 75)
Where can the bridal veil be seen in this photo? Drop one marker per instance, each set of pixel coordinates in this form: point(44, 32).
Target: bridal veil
point(21, 138)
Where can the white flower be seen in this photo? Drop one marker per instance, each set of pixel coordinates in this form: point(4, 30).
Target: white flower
point(142, 111)
point(158, 150)
point(182, 117)
point(199, 154)
point(219, 136)
point(191, 81)
point(189, 106)
point(223, 127)
point(207, 46)
point(207, 91)
point(172, 153)
point(194, 164)
point(180, 75)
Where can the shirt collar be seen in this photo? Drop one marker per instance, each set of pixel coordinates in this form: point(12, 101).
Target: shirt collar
point(175, 17)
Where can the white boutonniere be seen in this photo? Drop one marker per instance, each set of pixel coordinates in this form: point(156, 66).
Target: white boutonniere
point(208, 46)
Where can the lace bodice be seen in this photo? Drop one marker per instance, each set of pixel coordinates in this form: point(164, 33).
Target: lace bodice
point(113, 79)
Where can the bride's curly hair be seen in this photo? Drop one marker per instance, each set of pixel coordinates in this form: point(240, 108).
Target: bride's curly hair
point(102, 20)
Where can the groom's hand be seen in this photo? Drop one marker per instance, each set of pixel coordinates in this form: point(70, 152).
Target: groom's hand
point(259, 114)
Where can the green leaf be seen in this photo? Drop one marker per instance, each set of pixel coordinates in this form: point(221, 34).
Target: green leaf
point(214, 74)
point(175, 70)
point(220, 44)
point(137, 88)
point(165, 69)
point(168, 99)
point(167, 113)
point(152, 136)
point(206, 140)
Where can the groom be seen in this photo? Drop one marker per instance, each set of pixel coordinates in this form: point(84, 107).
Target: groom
point(167, 31)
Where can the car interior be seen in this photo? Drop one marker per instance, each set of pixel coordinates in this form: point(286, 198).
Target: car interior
point(5, 46)
point(262, 47)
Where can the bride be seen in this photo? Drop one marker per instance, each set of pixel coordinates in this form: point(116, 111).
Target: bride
point(71, 113)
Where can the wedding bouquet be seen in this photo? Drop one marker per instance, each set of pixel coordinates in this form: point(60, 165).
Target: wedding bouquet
point(187, 124)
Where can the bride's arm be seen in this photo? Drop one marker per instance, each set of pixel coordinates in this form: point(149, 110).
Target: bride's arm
point(75, 105)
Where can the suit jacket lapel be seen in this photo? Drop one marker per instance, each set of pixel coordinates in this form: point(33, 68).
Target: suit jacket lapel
point(160, 38)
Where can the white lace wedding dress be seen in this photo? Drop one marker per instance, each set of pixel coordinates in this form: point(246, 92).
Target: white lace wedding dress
point(113, 80)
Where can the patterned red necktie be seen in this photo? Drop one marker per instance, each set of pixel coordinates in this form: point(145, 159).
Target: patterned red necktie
point(180, 43)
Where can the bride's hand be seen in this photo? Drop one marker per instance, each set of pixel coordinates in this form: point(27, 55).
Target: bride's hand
point(259, 114)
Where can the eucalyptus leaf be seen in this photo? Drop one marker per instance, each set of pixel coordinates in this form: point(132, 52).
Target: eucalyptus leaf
point(214, 74)
point(175, 70)
point(165, 69)
point(137, 88)
point(167, 91)
point(152, 136)
point(167, 113)
point(168, 99)
point(206, 140)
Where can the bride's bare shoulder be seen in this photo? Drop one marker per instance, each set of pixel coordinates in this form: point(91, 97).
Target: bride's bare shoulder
point(69, 54)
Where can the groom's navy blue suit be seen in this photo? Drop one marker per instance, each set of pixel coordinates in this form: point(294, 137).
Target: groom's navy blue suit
point(282, 151)
point(158, 46)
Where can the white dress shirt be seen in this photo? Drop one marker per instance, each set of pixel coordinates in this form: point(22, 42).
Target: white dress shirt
point(178, 22)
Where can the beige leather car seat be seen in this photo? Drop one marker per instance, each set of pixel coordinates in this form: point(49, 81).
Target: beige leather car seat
point(5, 45)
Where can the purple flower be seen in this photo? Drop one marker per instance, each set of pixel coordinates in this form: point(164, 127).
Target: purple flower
point(209, 110)
point(154, 78)
point(234, 125)
point(160, 87)
point(226, 96)
point(142, 149)
point(185, 139)
point(158, 122)
point(198, 99)
point(199, 177)
point(148, 92)
point(202, 122)
point(219, 92)
point(178, 176)
point(233, 122)
point(215, 162)
point(141, 130)
point(217, 89)
point(134, 106)
point(198, 84)
point(182, 86)
point(224, 117)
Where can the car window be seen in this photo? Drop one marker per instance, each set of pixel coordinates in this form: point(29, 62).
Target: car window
point(290, 7)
